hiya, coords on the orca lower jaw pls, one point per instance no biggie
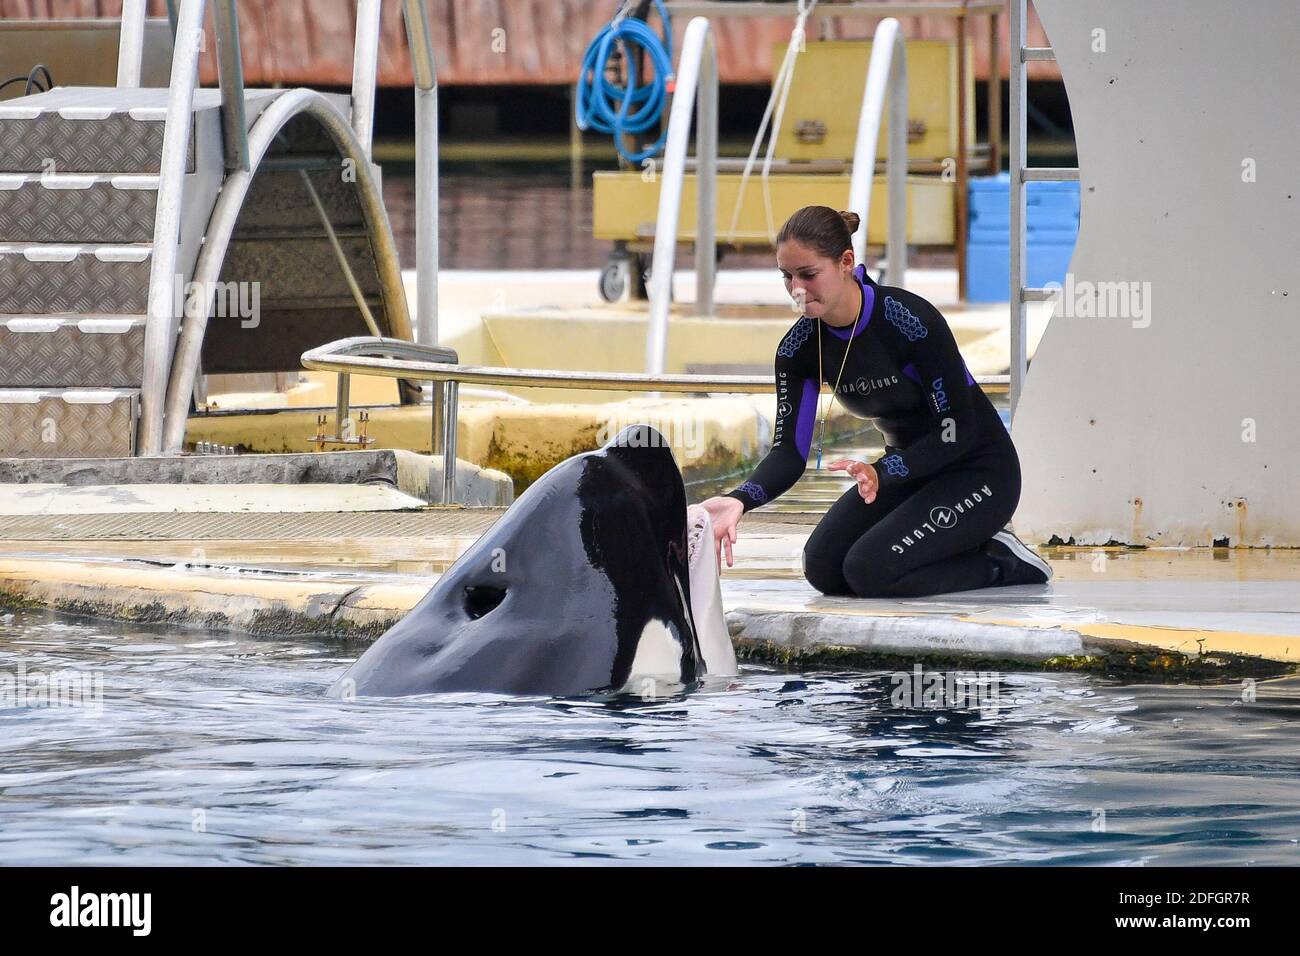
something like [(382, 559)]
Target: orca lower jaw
[(568, 667)]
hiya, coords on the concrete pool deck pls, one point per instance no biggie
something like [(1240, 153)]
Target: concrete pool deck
[(1198, 613)]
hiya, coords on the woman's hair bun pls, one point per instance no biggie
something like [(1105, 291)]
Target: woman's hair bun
[(825, 229)]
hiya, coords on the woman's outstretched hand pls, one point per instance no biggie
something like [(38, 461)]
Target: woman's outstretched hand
[(864, 474), (725, 513)]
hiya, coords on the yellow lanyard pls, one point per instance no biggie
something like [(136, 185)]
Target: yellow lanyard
[(821, 435)]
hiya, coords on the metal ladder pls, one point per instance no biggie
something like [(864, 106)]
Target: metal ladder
[(1021, 56), (114, 199)]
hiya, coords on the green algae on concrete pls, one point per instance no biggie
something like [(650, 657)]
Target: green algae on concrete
[(1126, 667)]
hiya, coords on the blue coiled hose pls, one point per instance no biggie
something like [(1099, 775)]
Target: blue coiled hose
[(606, 108)]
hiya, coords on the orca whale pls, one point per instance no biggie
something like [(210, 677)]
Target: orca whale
[(585, 584)]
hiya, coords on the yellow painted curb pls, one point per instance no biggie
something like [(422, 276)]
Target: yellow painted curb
[(257, 603), (1190, 641)]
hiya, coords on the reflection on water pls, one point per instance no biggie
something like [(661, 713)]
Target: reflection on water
[(216, 748), (499, 216)]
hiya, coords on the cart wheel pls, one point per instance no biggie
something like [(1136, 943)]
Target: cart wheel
[(640, 266), (612, 281)]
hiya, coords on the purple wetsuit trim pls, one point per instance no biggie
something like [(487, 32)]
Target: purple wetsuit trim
[(803, 430), (864, 316)]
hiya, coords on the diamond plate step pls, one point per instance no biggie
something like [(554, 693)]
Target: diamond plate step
[(92, 129), (64, 351), (68, 423), (85, 130), (90, 278), (77, 207)]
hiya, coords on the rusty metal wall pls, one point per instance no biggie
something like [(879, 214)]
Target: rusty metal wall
[(309, 42)]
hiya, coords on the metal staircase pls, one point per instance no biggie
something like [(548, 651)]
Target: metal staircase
[(79, 182), (114, 200)]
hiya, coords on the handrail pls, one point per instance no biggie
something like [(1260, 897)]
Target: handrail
[(426, 171), (1017, 149), (160, 319), (230, 77), (369, 346), (536, 377), (354, 356), (887, 73), (696, 93), (391, 351), (323, 360), (130, 44), (365, 66)]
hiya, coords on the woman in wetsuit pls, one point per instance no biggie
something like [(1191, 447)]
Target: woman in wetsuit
[(928, 517)]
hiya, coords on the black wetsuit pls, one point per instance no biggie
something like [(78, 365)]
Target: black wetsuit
[(949, 478)]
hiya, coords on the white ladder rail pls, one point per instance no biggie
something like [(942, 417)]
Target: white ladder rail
[(886, 75), (161, 321), (1020, 174), (696, 95), (130, 44), (426, 171), (365, 66)]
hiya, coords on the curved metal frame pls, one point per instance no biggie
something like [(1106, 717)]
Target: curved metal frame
[(697, 93), (159, 321), (225, 215), (887, 73)]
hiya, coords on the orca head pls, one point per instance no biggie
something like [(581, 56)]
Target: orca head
[(582, 585)]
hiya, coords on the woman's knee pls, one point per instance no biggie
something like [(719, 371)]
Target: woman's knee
[(824, 572), (868, 575)]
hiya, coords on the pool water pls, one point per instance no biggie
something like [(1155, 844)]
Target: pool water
[(202, 747)]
